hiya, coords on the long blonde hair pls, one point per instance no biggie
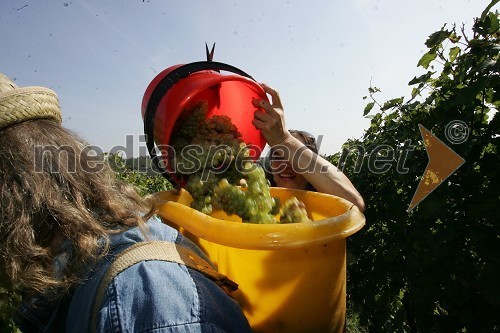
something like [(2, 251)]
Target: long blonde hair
[(49, 193)]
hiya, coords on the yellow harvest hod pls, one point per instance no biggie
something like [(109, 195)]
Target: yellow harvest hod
[(291, 277)]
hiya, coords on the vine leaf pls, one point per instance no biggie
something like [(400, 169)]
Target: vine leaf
[(453, 53), (426, 60), (420, 79), (368, 108), (437, 38)]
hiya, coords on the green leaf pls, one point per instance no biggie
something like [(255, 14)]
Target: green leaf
[(392, 103), (414, 92), (437, 38), (453, 53), (426, 60), (420, 79), (493, 23), (488, 65), (487, 9), (368, 108), (373, 90), (454, 38)]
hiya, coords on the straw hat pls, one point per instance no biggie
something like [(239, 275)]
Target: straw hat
[(20, 104)]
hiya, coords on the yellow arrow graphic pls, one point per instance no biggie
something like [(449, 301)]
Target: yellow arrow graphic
[(443, 162)]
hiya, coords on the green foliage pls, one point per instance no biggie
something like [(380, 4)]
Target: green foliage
[(142, 175), (8, 301), (352, 323), (435, 268)]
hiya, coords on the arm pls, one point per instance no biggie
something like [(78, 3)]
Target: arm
[(321, 174), (324, 176)]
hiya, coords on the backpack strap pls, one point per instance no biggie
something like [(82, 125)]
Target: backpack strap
[(156, 250)]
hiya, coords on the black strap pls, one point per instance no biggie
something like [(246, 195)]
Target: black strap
[(59, 323)]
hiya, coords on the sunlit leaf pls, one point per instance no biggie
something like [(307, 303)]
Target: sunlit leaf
[(414, 92), (454, 38), (368, 108), (426, 60), (422, 78), (453, 53), (392, 103), (493, 23), (437, 38)]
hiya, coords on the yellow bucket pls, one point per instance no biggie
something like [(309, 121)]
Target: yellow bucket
[(291, 277)]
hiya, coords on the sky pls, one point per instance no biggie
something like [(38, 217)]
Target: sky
[(99, 56)]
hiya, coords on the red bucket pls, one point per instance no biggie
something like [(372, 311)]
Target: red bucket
[(181, 86)]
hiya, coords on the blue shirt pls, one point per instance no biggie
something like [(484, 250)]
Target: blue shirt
[(151, 296)]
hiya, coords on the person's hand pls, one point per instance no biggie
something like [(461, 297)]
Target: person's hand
[(271, 122)]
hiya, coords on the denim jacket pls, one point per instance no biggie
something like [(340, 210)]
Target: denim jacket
[(151, 296)]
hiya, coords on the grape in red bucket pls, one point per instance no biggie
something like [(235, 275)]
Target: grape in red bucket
[(222, 175)]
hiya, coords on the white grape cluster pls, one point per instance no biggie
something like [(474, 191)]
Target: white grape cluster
[(210, 153), (293, 211)]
